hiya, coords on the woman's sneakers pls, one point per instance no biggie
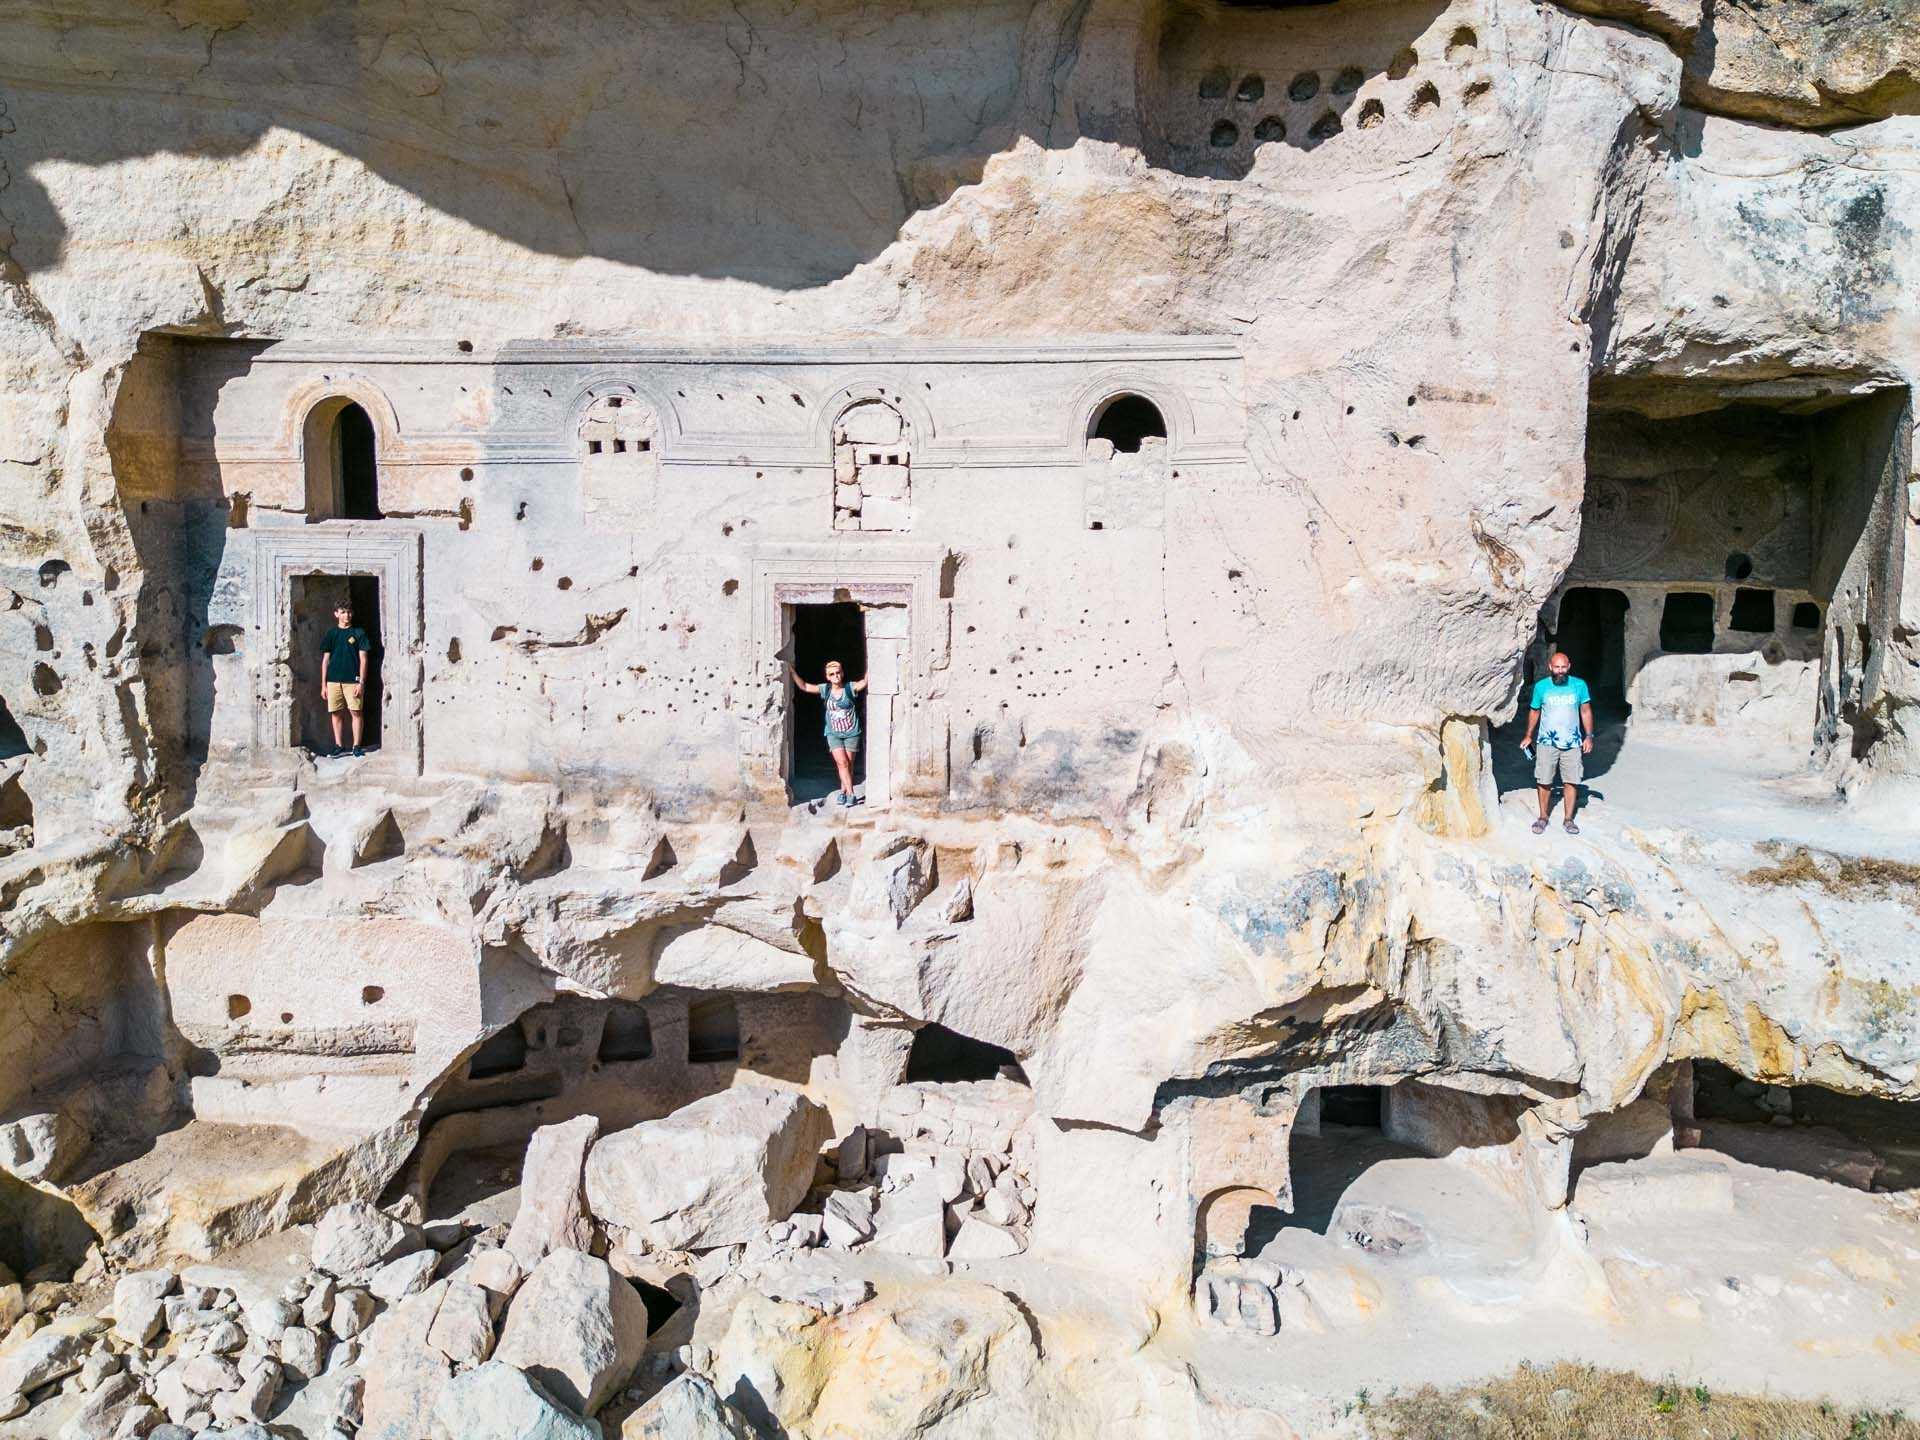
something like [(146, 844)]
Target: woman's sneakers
[(847, 802)]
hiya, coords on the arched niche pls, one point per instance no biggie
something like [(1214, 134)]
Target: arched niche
[(1127, 421), (340, 444)]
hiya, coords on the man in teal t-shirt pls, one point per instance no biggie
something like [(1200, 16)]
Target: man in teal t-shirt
[(1562, 712)]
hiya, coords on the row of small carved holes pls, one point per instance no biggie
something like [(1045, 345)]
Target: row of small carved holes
[(1461, 46), (594, 446)]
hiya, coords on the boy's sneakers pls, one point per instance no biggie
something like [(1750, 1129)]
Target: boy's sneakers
[(359, 752)]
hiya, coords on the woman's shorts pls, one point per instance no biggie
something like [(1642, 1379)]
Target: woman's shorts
[(849, 743)]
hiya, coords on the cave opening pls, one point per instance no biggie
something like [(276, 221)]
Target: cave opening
[(13, 740), (946, 1056), (1592, 631), (1863, 1141), (713, 1031)]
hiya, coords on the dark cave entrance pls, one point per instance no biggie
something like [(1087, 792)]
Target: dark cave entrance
[(1358, 1106), (1593, 633), (821, 633), (1861, 1141), (13, 740), (946, 1056), (713, 1031)]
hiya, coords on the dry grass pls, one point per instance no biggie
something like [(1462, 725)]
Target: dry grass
[(1580, 1402), (1847, 877)]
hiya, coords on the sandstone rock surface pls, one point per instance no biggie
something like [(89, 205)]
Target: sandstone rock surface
[(1197, 425)]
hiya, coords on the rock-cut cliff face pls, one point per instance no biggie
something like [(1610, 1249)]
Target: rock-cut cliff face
[(1195, 424)]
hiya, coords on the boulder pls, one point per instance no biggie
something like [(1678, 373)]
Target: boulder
[(139, 1304), (43, 1146), (895, 878), (687, 1408), (912, 1220), (316, 1306), (847, 1218), (404, 1375), (138, 1421), (356, 1237), (979, 1239), (463, 1330), (497, 1402), (408, 1275), (352, 1313), (259, 1386), (49, 1354), (497, 1272), (716, 1172), (577, 1327), (553, 1203), (101, 1413), (303, 1351), (269, 1318)]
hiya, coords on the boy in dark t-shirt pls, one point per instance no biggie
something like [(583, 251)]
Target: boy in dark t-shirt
[(343, 676)]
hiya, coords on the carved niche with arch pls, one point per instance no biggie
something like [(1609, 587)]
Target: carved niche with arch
[(618, 440), (345, 431), (872, 467)]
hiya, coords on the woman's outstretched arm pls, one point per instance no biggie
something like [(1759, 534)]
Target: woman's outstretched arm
[(860, 684), (810, 689)]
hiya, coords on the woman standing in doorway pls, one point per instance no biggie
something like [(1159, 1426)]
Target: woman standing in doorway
[(842, 720)]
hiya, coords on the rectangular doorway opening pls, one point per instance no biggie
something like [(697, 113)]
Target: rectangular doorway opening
[(1357, 1106), (311, 614), (821, 633), (1593, 633)]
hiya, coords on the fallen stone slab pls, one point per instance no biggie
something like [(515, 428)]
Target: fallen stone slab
[(45, 1356), (356, 1237), (1670, 1184), (576, 1327), (463, 1330), (716, 1172), (139, 1304), (553, 1203), (687, 1408), (497, 1402)]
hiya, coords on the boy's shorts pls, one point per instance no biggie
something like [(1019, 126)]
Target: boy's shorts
[(342, 696), (848, 743), (1546, 760)]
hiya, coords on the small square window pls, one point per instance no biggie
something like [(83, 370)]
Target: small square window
[(619, 447), (1752, 612), (1686, 623), (614, 402), (593, 447), (1806, 616), (644, 445)]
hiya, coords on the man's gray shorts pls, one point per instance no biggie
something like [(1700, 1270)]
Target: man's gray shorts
[(1547, 760)]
